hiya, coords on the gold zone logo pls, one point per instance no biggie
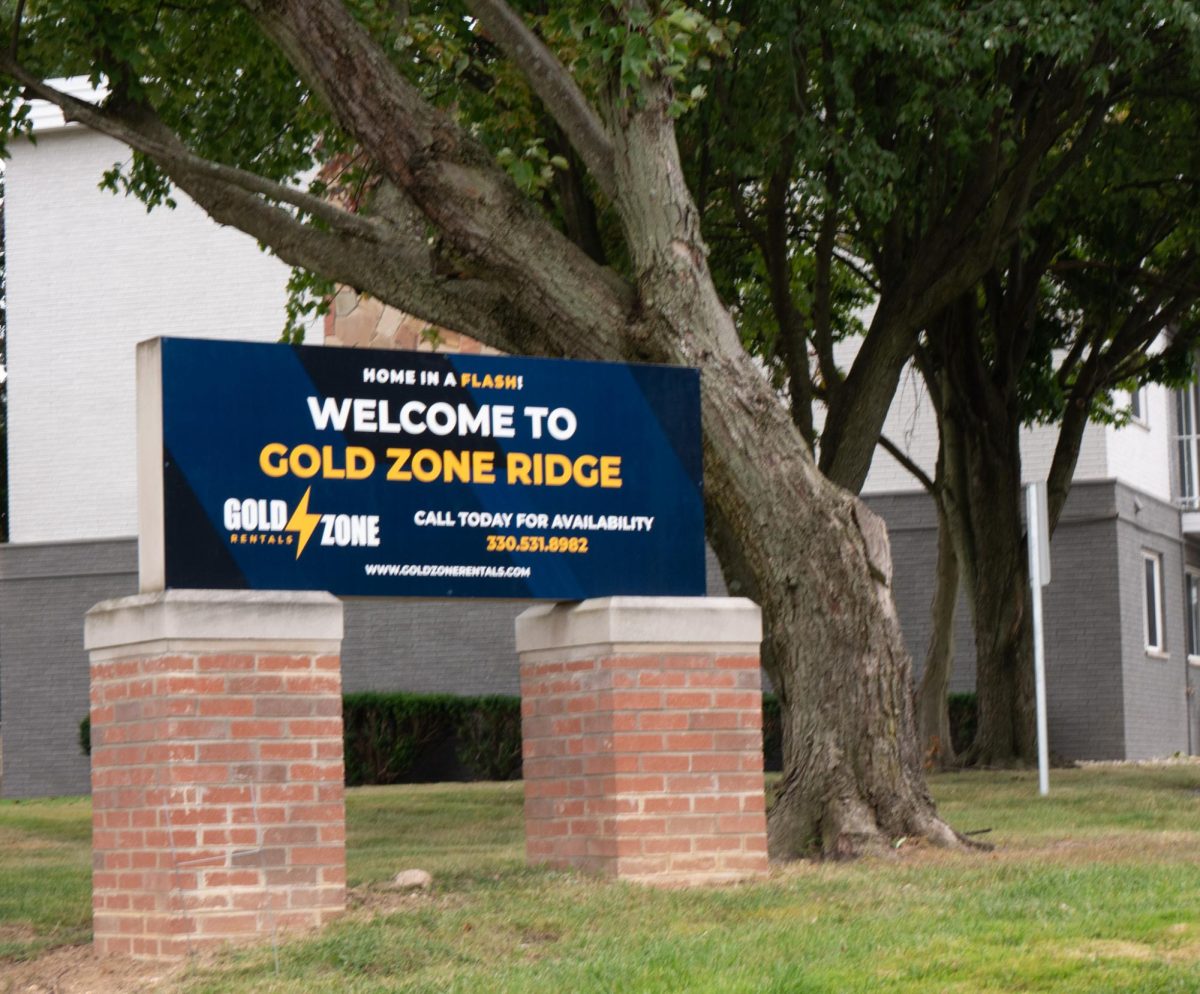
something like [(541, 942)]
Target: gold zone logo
[(266, 521)]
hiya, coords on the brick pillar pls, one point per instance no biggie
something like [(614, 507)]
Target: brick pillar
[(217, 774), (642, 726)]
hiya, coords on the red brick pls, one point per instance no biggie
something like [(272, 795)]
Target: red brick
[(718, 843), (232, 924), (715, 720), (711, 679), (318, 855), (257, 729), (313, 728), (656, 678), (665, 763), (317, 813), (637, 699), (256, 683), (290, 835), (288, 707), (268, 664), (737, 663), (690, 741), (718, 804), (666, 721), (191, 685), (640, 742), (737, 783), (225, 707), (716, 762), (226, 752), (290, 792), (746, 861), (666, 846), (322, 683), (754, 803), (225, 662), (688, 699), (286, 750)]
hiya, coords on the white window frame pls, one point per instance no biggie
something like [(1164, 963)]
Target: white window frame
[(1152, 603), (1138, 414), (1191, 612), (1187, 446)]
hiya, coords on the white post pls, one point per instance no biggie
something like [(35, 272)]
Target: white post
[(1038, 532)]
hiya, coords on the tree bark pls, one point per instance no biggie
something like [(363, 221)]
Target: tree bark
[(933, 708), (981, 443)]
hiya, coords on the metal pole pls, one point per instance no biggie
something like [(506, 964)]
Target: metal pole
[(1034, 524)]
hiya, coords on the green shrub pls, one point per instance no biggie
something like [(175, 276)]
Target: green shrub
[(386, 734), (488, 738), (85, 735)]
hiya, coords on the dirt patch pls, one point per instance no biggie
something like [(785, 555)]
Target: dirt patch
[(75, 970), (1099, 949)]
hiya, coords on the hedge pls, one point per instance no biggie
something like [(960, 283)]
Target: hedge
[(416, 738)]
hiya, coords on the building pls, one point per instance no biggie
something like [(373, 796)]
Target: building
[(90, 275), (1122, 613)]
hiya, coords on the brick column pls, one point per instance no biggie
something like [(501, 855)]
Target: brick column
[(642, 727), (217, 774)]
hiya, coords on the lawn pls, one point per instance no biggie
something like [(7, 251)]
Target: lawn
[(1095, 889)]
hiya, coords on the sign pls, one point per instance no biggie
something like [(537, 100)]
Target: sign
[(387, 473)]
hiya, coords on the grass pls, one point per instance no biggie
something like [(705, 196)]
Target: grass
[(1095, 889)]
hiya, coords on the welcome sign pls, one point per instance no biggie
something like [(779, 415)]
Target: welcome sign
[(386, 473)]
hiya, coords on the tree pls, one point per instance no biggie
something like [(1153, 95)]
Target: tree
[(918, 185), (1103, 293), (582, 237)]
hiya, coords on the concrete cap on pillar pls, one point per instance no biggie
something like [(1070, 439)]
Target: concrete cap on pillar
[(731, 624), (286, 616)]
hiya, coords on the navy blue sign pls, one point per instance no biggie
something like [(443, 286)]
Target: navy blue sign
[(367, 472)]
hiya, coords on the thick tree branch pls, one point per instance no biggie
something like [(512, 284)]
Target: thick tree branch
[(559, 300), (552, 83), (143, 132), (350, 249), (905, 460)]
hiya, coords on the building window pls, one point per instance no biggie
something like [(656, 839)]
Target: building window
[(1192, 609), (1152, 568), (1137, 405), (1187, 435)]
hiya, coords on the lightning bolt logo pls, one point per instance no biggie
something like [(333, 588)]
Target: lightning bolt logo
[(303, 523)]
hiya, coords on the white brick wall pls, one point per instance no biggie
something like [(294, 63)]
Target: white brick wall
[(1140, 454), (90, 275)]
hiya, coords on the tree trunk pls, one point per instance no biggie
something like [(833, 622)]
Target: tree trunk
[(933, 708), (989, 526), (834, 650), (817, 560)]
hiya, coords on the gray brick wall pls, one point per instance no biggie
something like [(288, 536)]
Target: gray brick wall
[(1088, 620), (1155, 685), (912, 528), (45, 590)]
